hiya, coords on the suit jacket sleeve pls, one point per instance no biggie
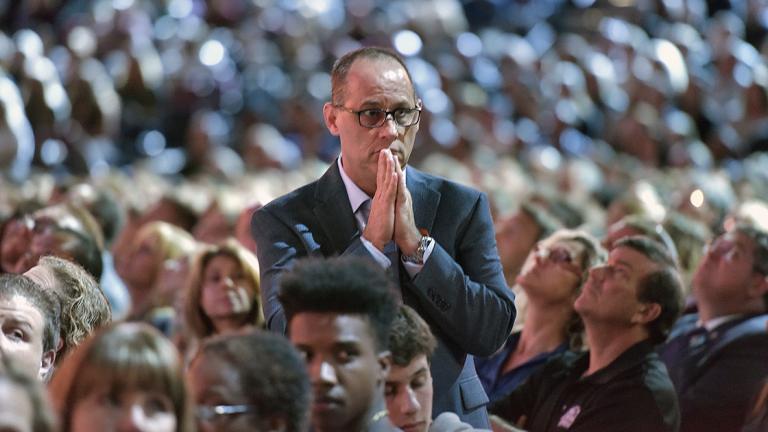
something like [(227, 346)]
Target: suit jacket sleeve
[(280, 241), (467, 296)]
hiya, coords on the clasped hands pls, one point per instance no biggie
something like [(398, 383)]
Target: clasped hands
[(391, 216)]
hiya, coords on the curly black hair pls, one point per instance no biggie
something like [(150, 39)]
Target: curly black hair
[(345, 285)]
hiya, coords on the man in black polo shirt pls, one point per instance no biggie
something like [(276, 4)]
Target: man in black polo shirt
[(628, 306)]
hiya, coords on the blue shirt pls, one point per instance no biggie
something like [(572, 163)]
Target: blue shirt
[(497, 385)]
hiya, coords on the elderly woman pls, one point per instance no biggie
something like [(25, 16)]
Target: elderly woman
[(223, 290), (551, 279)]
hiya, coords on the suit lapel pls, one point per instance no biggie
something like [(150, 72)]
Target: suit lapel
[(425, 199), (333, 212)]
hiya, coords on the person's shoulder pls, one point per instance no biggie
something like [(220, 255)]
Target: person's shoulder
[(450, 422), (298, 197), (444, 185)]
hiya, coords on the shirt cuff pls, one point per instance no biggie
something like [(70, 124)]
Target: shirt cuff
[(412, 268), (381, 258)]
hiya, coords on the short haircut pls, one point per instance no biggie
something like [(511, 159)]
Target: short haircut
[(652, 229), (410, 337), (122, 357), (759, 252), (198, 321), (341, 285), (84, 305), (46, 302), (344, 64), (272, 374), (662, 286), (43, 419)]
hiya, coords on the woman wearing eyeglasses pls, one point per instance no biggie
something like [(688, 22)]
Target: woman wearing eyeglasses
[(126, 377), (551, 279)]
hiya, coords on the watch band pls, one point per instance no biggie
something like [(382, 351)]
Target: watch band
[(418, 256)]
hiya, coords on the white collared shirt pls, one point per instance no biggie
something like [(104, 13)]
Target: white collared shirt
[(716, 322), (356, 198)]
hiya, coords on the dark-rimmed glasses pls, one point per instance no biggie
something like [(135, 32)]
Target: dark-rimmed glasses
[(373, 117)]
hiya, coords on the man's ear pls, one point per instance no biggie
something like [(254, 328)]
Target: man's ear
[(647, 313), (330, 117), (46, 365), (758, 286), (385, 362)]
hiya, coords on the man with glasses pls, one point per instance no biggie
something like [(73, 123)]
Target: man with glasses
[(718, 357), (435, 237), (628, 306)]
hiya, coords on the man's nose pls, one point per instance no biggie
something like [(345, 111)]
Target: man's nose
[(323, 372), (408, 403), (390, 127)]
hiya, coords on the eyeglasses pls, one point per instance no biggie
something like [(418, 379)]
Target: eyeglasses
[(374, 117), (560, 256), (208, 413)]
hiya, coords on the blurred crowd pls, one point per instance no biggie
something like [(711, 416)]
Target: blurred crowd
[(138, 137)]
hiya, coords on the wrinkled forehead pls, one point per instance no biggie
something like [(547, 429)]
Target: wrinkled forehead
[(327, 329), (379, 77)]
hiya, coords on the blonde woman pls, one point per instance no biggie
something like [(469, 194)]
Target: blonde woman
[(157, 248)]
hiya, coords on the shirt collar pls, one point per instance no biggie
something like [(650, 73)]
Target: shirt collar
[(356, 195), (716, 322), (633, 356)]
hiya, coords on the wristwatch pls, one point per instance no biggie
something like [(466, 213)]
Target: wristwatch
[(418, 256)]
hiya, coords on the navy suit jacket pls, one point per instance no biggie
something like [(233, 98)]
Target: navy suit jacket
[(717, 375), (460, 291)]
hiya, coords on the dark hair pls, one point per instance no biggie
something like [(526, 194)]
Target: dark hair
[(343, 285), (652, 229), (759, 252), (661, 286), (43, 419), (272, 374), (46, 302), (85, 252), (410, 337), (84, 306), (345, 62)]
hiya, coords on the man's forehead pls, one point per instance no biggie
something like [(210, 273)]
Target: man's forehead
[(418, 366), (344, 327), (632, 259), (19, 307)]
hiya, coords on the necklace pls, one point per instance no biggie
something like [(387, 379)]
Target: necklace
[(378, 416)]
